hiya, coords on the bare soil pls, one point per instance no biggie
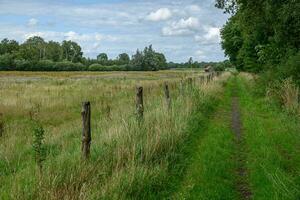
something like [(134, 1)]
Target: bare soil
[(242, 183)]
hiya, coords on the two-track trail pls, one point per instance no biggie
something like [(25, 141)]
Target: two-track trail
[(217, 165), (249, 149)]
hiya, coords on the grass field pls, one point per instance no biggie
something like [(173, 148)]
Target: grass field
[(128, 160), (187, 152)]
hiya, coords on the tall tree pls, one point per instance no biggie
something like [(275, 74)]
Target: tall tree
[(124, 58), (34, 48), (102, 57), (71, 51), (54, 51), (8, 46)]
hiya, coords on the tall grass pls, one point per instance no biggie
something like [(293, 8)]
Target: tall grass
[(286, 94), (128, 160)]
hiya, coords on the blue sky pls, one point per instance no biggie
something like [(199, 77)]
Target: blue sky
[(178, 28)]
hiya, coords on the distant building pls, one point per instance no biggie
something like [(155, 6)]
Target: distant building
[(208, 68)]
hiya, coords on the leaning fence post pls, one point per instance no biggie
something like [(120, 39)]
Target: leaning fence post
[(181, 89), (1, 125), (190, 82), (167, 95), (86, 129), (207, 79), (139, 103), (202, 79)]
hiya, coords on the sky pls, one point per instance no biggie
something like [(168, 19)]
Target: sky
[(178, 28)]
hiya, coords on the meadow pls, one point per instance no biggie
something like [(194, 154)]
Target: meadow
[(129, 159)]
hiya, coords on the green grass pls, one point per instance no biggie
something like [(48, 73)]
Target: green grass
[(186, 153), (270, 151), (210, 165), (272, 141), (128, 160)]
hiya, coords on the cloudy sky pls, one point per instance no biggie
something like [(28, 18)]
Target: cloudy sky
[(178, 28)]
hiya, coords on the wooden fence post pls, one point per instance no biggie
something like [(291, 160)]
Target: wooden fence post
[(86, 129), (167, 95), (181, 89), (139, 103), (1, 125), (190, 82)]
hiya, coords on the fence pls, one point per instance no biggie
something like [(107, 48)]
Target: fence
[(86, 107)]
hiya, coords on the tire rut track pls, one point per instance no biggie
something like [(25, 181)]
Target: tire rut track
[(242, 182)]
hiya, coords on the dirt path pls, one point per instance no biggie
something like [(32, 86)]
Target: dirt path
[(242, 183)]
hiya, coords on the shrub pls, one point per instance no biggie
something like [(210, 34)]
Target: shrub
[(291, 68), (96, 67), (45, 65), (6, 62), (24, 65), (69, 66)]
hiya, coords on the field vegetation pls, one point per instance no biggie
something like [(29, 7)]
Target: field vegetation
[(128, 159)]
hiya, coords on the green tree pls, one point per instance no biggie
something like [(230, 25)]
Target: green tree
[(54, 51), (260, 33), (71, 51), (123, 58), (232, 40), (8, 46), (190, 62), (137, 59), (33, 49), (102, 57), (162, 61)]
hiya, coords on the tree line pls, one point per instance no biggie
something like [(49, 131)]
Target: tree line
[(35, 54), (263, 36)]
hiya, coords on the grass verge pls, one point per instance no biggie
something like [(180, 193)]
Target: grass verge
[(273, 145)]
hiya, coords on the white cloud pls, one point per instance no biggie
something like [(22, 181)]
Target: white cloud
[(71, 35), (193, 8), (32, 22), (160, 15), (211, 36), (91, 43), (182, 27), (200, 55)]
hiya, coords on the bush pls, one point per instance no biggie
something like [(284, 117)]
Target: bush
[(45, 65), (24, 65), (98, 67), (291, 68), (69, 66), (6, 62)]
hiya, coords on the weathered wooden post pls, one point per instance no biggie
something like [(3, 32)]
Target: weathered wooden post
[(86, 129), (167, 95), (1, 125), (202, 79), (139, 103), (190, 83), (181, 89), (194, 81)]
